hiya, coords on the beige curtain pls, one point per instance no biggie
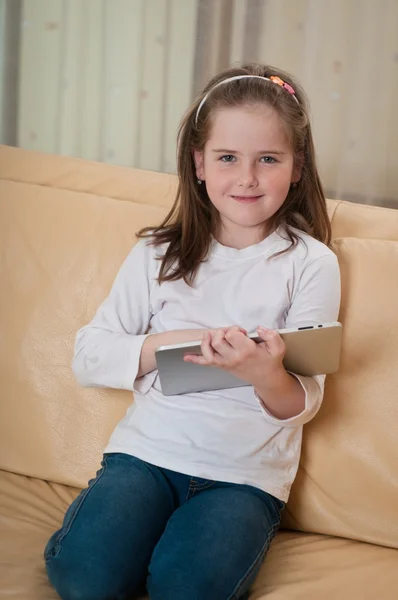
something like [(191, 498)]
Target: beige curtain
[(109, 79)]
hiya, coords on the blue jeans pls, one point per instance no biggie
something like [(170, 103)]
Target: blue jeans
[(186, 538)]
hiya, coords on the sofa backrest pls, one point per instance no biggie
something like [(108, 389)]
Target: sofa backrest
[(65, 226)]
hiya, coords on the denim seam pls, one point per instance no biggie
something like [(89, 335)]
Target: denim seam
[(203, 486), (190, 491), (202, 481), (259, 557), (83, 495)]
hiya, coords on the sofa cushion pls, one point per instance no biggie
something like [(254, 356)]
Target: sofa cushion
[(298, 565), (60, 253), (30, 511), (348, 477), (79, 175), (316, 567), (363, 221)]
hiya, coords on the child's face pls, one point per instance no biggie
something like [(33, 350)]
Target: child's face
[(248, 166)]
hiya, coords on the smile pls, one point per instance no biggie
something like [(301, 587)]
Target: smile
[(246, 199)]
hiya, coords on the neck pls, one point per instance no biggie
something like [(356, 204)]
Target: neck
[(236, 236)]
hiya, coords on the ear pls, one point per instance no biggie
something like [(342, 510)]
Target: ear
[(198, 160)]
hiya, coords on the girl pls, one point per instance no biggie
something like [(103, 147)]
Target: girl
[(191, 488)]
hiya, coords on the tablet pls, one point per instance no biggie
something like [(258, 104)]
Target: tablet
[(310, 350)]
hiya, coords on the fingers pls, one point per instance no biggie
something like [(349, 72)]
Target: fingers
[(236, 336), (208, 351), (207, 356), (230, 348), (218, 341), (233, 328), (274, 343), (228, 341), (219, 345)]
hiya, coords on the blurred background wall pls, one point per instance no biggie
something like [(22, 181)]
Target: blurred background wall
[(109, 80)]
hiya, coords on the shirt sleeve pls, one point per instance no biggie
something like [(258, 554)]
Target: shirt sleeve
[(107, 350), (316, 300)]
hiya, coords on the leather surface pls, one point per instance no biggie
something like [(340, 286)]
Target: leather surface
[(348, 479), (303, 566), (30, 511), (60, 252), (298, 566), (79, 175)]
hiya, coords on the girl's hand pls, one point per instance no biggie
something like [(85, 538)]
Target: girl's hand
[(232, 350)]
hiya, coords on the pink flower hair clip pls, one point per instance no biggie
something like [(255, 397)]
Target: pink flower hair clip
[(283, 84)]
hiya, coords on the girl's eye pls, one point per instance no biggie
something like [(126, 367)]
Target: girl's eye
[(227, 158), (269, 160)]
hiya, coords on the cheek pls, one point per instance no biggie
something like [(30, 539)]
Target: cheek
[(217, 178), (281, 181)]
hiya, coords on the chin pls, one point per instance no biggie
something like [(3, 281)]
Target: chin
[(249, 220), (250, 224)]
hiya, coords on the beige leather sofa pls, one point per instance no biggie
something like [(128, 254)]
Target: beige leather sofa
[(65, 226)]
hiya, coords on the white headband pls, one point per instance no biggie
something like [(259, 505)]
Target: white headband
[(272, 79)]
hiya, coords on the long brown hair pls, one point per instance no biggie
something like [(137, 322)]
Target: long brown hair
[(192, 221)]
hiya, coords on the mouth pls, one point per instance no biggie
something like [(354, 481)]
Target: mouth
[(246, 199)]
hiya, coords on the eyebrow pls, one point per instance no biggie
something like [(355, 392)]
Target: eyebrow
[(226, 151)]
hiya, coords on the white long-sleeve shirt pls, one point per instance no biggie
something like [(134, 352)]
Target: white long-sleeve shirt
[(224, 435)]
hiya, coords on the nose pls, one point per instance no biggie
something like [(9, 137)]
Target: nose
[(248, 176)]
